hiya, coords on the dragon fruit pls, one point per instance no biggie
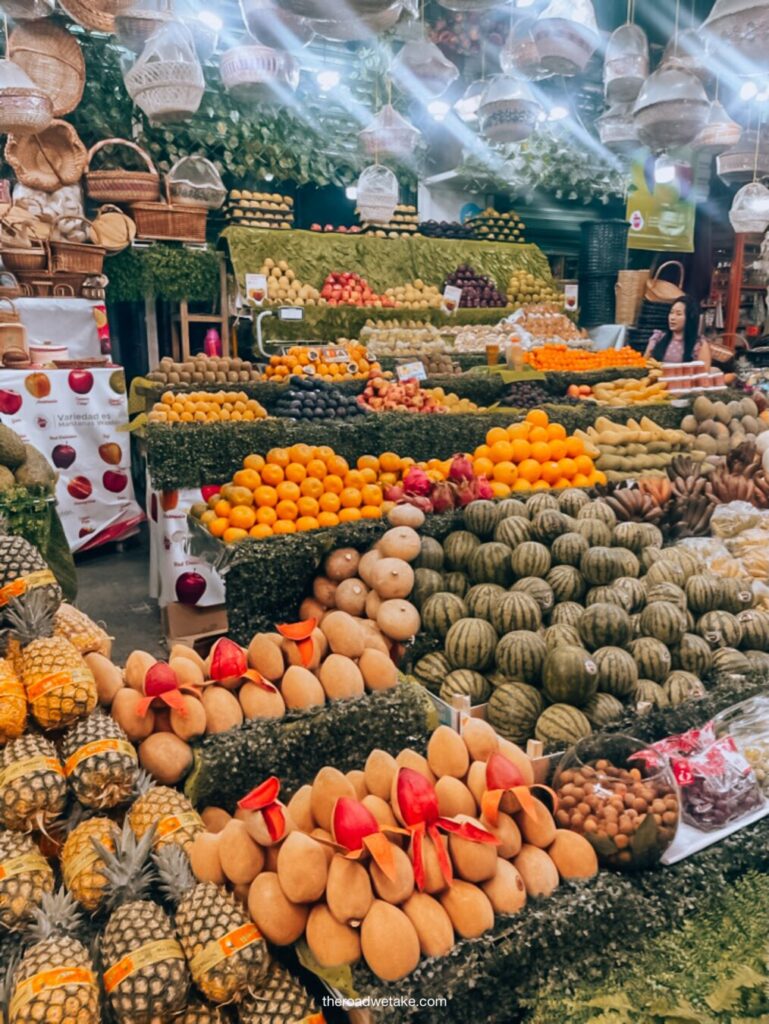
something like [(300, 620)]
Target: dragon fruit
[(416, 481), (442, 496), (394, 492), (461, 469)]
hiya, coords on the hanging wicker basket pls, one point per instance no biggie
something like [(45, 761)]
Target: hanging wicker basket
[(254, 72), (121, 186), (377, 194), (169, 222), (28, 10), (166, 82), (195, 181), (24, 111), (76, 257), (49, 159), (135, 24), (389, 135), (52, 58)]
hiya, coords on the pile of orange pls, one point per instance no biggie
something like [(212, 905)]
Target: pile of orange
[(205, 407), (292, 490), (534, 455), (303, 360), (561, 358)]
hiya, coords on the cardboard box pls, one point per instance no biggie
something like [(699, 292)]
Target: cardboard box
[(188, 624)]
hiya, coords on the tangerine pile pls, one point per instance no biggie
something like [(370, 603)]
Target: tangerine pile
[(562, 358), (205, 407), (301, 360), (534, 455)]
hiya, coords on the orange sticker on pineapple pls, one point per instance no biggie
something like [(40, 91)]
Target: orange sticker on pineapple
[(98, 747), (57, 681), (17, 587), (220, 949), (19, 865), (174, 822), (59, 977), (316, 1018), (144, 956), (29, 766)]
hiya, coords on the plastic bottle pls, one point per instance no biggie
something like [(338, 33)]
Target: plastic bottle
[(212, 346), (515, 353)]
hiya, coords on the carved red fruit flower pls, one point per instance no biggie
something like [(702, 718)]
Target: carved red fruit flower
[(506, 790), (301, 634), (267, 821)]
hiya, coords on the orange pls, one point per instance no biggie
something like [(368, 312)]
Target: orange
[(247, 478), (266, 496), (333, 484), (287, 510), (501, 451), (495, 435), (481, 467), (349, 515), (308, 507), (483, 451), (529, 470), (406, 463), (501, 490), (329, 502), (372, 495), (584, 465), (557, 449), (369, 476), (537, 434), (521, 450), (337, 465), (317, 468), (272, 474), (305, 523), (351, 498), (505, 473), (540, 451), (540, 485), (600, 477), (555, 432), (370, 512), (327, 519), (284, 526), (550, 471), (288, 491), (388, 478), (218, 526), (222, 508), (390, 462), (266, 516), (323, 452), (518, 431), (240, 496), (521, 485), (562, 483), (354, 479), (369, 462), (580, 480), (278, 457), (260, 531), (311, 488), (301, 453), (295, 472), (574, 447), (537, 417), (233, 534), (243, 517), (568, 468)]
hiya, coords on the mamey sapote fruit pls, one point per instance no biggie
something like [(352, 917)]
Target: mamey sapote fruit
[(277, 918), (348, 890), (302, 868), (454, 798), (475, 862), (537, 828), (539, 873), (331, 943), (379, 770), (432, 923), (327, 787), (469, 908), (389, 942), (447, 754), (506, 889), (401, 887), (573, 856)]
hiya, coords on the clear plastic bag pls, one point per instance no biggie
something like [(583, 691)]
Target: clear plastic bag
[(736, 517), (748, 725)]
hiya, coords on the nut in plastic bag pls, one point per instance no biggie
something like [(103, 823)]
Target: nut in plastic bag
[(737, 516)]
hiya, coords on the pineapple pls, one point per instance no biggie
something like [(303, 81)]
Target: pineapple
[(81, 631), (100, 762), (281, 999), (60, 687), (33, 790), (175, 819), (197, 1012), (82, 868), (13, 703), (25, 875), (23, 570), (55, 982), (144, 971), (226, 953)]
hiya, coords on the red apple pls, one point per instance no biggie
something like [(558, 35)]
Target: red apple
[(114, 481), (111, 453), (63, 456), (81, 381), (85, 531), (38, 385), (209, 490), (190, 587), (10, 402), (80, 488)]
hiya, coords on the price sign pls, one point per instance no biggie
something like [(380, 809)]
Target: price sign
[(256, 289), (571, 298), (451, 299), (411, 371), (334, 355)]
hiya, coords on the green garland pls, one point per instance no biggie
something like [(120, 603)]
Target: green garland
[(165, 272)]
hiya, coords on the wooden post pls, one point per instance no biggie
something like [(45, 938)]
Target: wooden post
[(733, 295)]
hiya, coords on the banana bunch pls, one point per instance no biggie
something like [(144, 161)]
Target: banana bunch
[(635, 506)]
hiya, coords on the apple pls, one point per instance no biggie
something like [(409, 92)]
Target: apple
[(115, 482), (209, 490), (38, 385), (190, 587), (63, 456), (117, 382), (80, 488), (10, 402), (111, 453), (80, 381), (315, 227), (85, 531)]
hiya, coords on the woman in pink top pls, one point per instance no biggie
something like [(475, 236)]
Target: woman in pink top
[(681, 343)]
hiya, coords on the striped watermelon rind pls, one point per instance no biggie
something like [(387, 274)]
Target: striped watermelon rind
[(426, 583), (515, 610), (664, 621), (720, 629), (682, 686), (569, 676), (566, 583), (729, 661), (605, 625), (458, 548), (599, 510), (560, 633), (650, 692), (530, 559), (562, 725), (537, 588), (513, 531), (471, 643), (520, 656), (468, 683), (568, 612), (481, 518), (693, 655), (603, 709), (430, 556), (755, 629), (569, 548), (652, 658), (440, 612), (490, 563), (601, 566), (513, 710), (617, 672), (456, 583), (571, 500), (481, 598)]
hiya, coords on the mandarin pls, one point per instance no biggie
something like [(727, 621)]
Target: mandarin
[(521, 450), (243, 517), (308, 507), (272, 474), (260, 531), (351, 498), (295, 472), (368, 462), (370, 512), (333, 484), (317, 469), (266, 496), (234, 534), (284, 526), (349, 515), (390, 462), (329, 502), (287, 510), (306, 523), (288, 491), (328, 519), (372, 494), (537, 417), (529, 470), (496, 434), (481, 467), (540, 451), (278, 457), (247, 478), (218, 526), (301, 453), (266, 516)]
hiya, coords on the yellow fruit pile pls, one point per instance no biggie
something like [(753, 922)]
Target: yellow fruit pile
[(416, 295), (206, 407), (283, 289)]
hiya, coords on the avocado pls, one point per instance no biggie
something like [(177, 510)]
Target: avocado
[(11, 448), (35, 471)]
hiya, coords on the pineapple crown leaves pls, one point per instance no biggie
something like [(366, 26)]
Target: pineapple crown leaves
[(31, 617), (144, 783), (129, 871), (57, 915), (175, 872)]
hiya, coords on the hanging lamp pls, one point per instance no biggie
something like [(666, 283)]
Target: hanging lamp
[(617, 130), (720, 131), (750, 207), (389, 134), (377, 194), (420, 68), (508, 111), (626, 63), (566, 35), (739, 29)]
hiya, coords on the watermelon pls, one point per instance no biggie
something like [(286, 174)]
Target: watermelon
[(663, 621), (606, 595), (692, 655), (562, 725), (605, 625), (456, 583), (596, 533), (568, 612), (515, 610), (667, 592), (636, 536), (541, 502), (601, 565), (566, 583), (650, 692), (569, 548), (539, 589), (754, 625), (617, 672), (426, 583), (520, 656), (513, 711), (599, 510), (466, 683), (665, 571), (430, 555), (635, 591), (759, 660), (652, 658), (458, 548), (530, 559), (481, 598), (720, 629), (731, 662), (703, 593), (682, 686), (432, 670), (490, 563), (571, 500), (561, 633), (635, 621), (548, 525), (512, 507), (441, 611), (481, 518), (470, 643), (603, 709), (513, 531), (736, 595), (569, 676)]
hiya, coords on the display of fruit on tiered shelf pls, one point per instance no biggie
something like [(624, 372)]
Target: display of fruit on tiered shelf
[(525, 288), (407, 396), (409, 340), (351, 361), (259, 209), (475, 337), (202, 369), (718, 427), (445, 229), (416, 295), (283, 288), (547, 322), (649, 390), (491, 226), (478, 290), (312, 398), (339, 229), (403, 224), (628, 450), (562, 359), (206, 407), (350, 289), (523, 394)]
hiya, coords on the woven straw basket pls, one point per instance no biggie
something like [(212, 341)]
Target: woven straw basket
[(121, 186)]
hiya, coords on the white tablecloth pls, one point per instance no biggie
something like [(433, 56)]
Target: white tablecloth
[(69, 322)]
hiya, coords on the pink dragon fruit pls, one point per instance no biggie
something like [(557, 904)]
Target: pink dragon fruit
[(394, 492), (461, 469), (416, 481), (442, 496)]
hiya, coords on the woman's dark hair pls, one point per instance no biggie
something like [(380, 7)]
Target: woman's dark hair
[(691, 331)]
